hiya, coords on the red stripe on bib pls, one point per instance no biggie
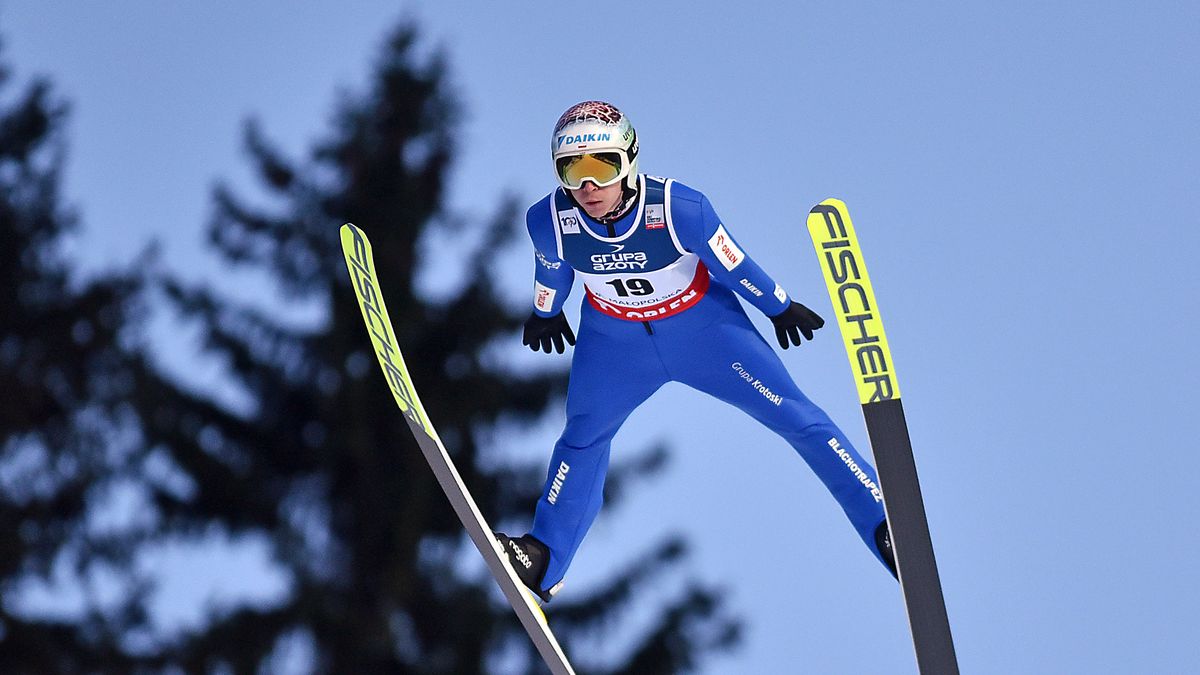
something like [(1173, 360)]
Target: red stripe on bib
[(685, 299)]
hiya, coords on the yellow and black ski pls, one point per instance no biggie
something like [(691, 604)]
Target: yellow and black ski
[(360, 262), (866, 344)]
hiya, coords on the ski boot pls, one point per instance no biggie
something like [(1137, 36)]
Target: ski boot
[(529, 558), (883, 541)]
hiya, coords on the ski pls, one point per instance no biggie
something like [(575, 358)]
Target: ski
[(359, 261), (853, 300)]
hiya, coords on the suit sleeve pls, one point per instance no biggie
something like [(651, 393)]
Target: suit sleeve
[(701, 232), (552, 276)]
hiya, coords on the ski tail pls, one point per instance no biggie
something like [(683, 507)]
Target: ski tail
[(870, 356), (360, 262)]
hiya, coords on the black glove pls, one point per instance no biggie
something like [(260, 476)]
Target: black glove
[(793, 321), (540, 332)]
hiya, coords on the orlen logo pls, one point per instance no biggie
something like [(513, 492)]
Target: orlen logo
[(543, 296), (574, 139), (727, 252)]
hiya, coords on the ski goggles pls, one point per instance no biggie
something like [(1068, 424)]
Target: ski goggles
[(602, 168)]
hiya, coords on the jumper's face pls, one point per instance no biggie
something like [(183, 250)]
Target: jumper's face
[(597, 201)]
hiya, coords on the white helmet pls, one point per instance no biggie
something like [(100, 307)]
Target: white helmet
[(594, 141)]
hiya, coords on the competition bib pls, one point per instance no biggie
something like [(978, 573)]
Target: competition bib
[(648, 295)]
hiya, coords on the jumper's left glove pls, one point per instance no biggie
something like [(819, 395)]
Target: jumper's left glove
[(794, 321)]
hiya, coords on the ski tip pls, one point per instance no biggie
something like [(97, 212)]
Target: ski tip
[(832, 201), (349, 227)]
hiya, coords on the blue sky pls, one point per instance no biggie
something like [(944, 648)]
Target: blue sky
[(1023, 177)]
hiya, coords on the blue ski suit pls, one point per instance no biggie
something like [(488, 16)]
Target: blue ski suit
[(659, 307)]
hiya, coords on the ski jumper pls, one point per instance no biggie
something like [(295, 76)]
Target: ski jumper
[(659, 307)]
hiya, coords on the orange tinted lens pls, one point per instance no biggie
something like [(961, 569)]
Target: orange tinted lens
[(602, 168)]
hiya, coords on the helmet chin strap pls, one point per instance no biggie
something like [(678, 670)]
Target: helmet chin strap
[(628, 197)]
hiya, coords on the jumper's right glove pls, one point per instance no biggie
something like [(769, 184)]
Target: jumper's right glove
[(793, 321), (540, 332)]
